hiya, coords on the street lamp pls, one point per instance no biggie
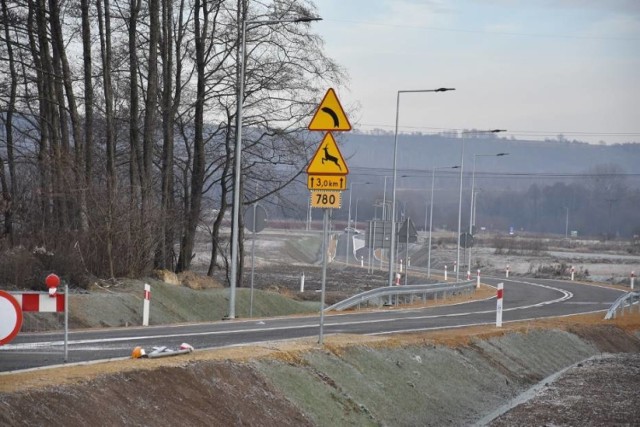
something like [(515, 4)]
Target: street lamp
[(460, 195), (395, 164), (433, 179), (473, 201), (238, 152)]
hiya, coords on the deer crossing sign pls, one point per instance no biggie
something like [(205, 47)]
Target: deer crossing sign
[(328, 160)]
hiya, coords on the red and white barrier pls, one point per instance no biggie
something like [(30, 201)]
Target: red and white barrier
[(40, 302), (499, 305), (146, 304)]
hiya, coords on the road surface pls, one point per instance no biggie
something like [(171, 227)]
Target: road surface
[(524, 299)]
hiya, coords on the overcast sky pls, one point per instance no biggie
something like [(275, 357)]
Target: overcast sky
[(537, 68)]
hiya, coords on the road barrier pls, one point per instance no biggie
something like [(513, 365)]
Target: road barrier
[(426, 289), (628, 300)]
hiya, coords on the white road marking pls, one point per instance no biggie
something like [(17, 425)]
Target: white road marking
[(23, 346)]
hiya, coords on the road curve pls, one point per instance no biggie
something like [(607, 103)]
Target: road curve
[(523, 299)]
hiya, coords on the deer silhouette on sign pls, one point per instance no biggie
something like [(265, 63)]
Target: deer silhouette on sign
[(328, 157)]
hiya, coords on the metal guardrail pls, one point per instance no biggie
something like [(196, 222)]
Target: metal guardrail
[(625, 300), (401, 290)]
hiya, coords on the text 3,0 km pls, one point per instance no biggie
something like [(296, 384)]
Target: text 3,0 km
[(327, 182)]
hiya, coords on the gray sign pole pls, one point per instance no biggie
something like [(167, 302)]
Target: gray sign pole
[(66, 322), (325, 234), (253, 254)]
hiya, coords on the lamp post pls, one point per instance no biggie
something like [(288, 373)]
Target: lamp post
[(566, 223), (395, 164), (473, 184), (238, 152), (460, 196), (433, 179)]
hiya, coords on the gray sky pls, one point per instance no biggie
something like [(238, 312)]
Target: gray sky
[(537, 68)]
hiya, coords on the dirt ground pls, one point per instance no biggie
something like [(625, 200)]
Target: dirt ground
[(599, 391)]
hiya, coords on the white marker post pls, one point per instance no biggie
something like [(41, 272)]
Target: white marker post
[(507, 271), (478, 280), (455, 266), (400, 265), (146, 304), (573, 273), (302, 282), (361, 261), (445, 273), (468, 274), (633, 278), (499, 305)]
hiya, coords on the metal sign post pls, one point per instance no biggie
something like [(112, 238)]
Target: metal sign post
[(327, 174), (256, 217), (66, 322), (325, 245)]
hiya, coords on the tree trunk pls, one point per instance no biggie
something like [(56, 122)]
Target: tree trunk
[(9, 191), (135, 161), (104, 28), (197, 176)]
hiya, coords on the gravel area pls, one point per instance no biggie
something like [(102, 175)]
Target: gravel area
[(601, 391)]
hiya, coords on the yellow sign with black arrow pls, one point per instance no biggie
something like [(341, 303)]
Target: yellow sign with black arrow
[(330, 115)]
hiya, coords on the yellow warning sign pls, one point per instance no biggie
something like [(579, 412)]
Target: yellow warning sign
[(327, 182), (328, 160), (326, 199), (330, 115)]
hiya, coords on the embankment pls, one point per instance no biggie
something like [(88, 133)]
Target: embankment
[(453, 377)]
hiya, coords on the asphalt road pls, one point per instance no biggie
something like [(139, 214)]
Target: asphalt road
[(523, 299)]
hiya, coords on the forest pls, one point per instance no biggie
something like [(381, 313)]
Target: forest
[(118, 124)]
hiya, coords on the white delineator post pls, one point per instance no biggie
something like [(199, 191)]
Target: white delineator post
[(400, 265), (633, 278), (478, 280), (361, 261), (302, 282), (573, 273), (507, 271), (146, 304), (455, 266), (499, 305), (445, 273), (468, 274), (397, 279)]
